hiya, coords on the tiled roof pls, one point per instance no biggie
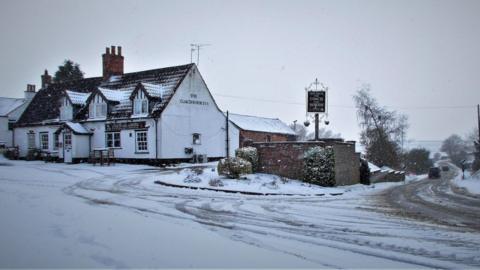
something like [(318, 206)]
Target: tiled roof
[(46, 103), (261, 124)]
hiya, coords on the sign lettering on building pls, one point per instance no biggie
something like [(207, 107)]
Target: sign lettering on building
[(316, 101), (125, 125)]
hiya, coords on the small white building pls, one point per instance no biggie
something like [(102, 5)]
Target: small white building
[(10, 111), (154, 115)]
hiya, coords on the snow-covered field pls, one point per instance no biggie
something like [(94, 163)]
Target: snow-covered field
[(58, 215)]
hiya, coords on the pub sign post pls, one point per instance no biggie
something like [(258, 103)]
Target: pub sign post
[(316, 103)]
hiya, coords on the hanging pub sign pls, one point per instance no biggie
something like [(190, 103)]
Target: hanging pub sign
[(316, 101), (125, 125)]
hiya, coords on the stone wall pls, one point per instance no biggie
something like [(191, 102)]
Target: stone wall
[(286, 159)]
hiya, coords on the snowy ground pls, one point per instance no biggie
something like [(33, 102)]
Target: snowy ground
[(206, 176), (58, 215), (471, 183)]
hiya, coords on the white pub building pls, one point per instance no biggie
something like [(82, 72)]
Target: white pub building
[(149, 116)]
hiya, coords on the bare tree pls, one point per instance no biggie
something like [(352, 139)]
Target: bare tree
[(456, 148), (383, 132)]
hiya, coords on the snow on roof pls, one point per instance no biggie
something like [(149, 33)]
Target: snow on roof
[(154, 90), (262, 124), (77, 98), (373, 167), (7, 105), (117, 94), (77, 128)]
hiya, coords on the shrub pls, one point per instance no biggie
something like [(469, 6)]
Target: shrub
[(364, 172), (319, 166), (215, 183), (249, 154), (33, 154), (234, 167), (11, 153)]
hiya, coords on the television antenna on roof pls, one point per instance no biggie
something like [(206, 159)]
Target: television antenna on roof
[(196, 47)]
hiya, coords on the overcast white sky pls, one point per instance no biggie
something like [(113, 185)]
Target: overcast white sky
[(414, 54)]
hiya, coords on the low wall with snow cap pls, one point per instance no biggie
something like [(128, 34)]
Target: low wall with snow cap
[(286, 159)]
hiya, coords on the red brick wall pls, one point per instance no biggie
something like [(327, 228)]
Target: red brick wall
[(112, 62), (286, 159), (256, 136)]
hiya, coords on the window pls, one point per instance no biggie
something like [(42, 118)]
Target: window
[(196, 138), (31, 140), (97, 108), (100, 110), (55, 141), (67, 139), (44, 141), (112, 139), (141, 106), (141, 141)]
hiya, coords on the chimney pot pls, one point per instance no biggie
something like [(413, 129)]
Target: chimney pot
[(112, 62), (107, 50)]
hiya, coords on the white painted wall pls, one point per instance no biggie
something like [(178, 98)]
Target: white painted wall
[(21, 139), (180, 120), (5, 134), (234, 138), (80, 146), (127, 139)]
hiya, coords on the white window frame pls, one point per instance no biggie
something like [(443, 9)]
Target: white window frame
[(67, 139), (141, 141), (111, 138), (32, 143), (44, 144), (140, 104), (97, 108)]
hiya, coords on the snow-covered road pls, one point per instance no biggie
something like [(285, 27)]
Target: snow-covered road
[(57, 215), (436, 200)]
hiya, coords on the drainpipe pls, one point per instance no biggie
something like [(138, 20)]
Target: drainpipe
[(13, 137), (156, 137)]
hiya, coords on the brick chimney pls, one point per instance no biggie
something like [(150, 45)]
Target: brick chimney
[(112, 62), (30, 92), (46, 80)]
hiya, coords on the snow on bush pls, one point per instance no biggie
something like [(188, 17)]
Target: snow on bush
[(234, 167), (215, 183), (250, 154), (319, 166)]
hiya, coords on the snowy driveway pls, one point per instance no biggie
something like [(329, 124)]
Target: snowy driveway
[(57, 215)]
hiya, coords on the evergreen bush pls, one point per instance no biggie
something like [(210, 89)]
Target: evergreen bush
[(319, 166), (234, 167), (250, 154), (364, 172)]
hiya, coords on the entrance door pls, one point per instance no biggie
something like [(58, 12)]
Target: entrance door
[(67, 147)]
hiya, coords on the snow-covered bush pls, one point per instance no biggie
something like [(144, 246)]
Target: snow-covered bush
[(215, 183), (192, 179), (250, 154), (234, 167), (319, 166)]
